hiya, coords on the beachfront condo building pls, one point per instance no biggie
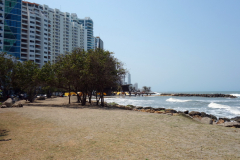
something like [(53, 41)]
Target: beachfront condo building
[(30, 31), (98, 43)]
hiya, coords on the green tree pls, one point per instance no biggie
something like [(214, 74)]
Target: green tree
[(6, 67), (25, 77), (47, 78), (106, 71)]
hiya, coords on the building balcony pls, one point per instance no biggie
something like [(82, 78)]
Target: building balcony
[(38, 24)]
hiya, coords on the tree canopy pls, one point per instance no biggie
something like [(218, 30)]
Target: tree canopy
[(80, 71)]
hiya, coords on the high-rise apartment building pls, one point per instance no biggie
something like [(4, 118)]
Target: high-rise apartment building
[(35, 32), (98, 43), (87, 24), (10, 27), (35, 43)]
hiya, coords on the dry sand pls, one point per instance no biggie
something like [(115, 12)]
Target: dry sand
[(43, 132)]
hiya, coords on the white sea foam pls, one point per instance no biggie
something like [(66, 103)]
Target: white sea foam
[(176, 100), (237, 95), (156, 93), (234, 111), (215, 105)]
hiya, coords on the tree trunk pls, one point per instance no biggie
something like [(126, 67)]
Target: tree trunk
[(49, 94), (78, 98), (84, 99), (90, 97), (102, 100), (69, 91)]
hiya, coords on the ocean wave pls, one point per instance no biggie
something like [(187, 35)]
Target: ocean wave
[(237, 95), (176, 100), (234, 111), (215, 105), (156, 93)]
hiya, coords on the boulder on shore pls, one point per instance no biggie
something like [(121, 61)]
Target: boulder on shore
[(170, 111), (237, 119), (186, 112), (17, 104), (159, 109), (194, 113), (206, 120), (8, 102), (225, 119)]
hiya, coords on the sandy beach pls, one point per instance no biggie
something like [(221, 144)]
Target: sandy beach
[(51, 129)]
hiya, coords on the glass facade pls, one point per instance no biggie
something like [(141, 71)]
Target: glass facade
[(12, 27)]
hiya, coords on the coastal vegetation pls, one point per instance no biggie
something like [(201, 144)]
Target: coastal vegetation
[(84, 72)]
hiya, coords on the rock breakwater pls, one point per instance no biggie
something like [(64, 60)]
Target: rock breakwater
[(198, 95)]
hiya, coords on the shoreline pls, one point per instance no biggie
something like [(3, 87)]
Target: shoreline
[(106, 133)]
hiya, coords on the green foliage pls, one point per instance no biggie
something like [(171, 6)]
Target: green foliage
[(6, 67), (25, 77), (79, 71)]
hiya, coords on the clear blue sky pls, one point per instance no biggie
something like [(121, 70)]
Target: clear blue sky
[(170, 45)]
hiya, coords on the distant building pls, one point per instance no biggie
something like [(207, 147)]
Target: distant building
[(129, 78), (135, 86), (123, 80), (98, 43)]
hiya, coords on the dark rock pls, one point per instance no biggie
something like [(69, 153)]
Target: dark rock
[(237, 119), (148, 108), (186, 112), (139, 108), (225, 119), (159, 109), (170, 111), (212, 116), (203, 114), (194, 113)]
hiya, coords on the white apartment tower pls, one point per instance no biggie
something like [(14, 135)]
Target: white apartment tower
[(87, 29), (34, 34), (47, 33)]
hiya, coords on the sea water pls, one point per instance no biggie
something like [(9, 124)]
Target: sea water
[(220, 107)]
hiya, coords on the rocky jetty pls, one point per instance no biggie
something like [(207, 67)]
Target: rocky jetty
[(199, 95), (201, 117)]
